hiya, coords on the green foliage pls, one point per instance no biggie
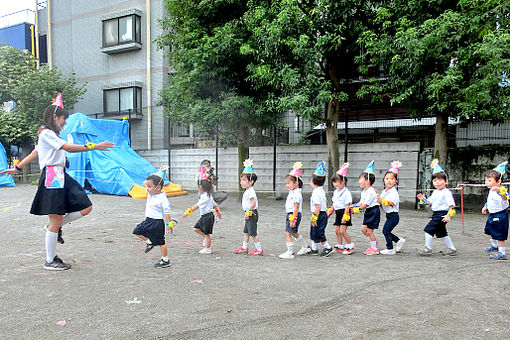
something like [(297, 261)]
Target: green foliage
[(32, 90), (447, 59)]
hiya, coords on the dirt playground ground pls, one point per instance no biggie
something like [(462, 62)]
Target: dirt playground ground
[(113, 291)]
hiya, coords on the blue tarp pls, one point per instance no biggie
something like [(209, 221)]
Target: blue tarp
[(5, 180), (109, 172)]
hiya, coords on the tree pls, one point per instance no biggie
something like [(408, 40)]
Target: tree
[(442, 61), (32, 90), (209, 87), (303, 51)]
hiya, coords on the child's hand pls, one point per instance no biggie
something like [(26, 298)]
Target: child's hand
[(293, 224), (314, 224), (446, 218), (9, 171), (379, 199), (184, 215), (219, 214), (246, 218), (330, 212), (484, 210), (420, 196)]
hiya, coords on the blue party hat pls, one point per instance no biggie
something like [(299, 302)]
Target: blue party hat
[(248, 167), (370, 168), (501, 168), (436, 167), (162, 172), (321, 169)]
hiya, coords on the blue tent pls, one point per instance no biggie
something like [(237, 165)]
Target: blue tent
[(109, 172), (5, 180)]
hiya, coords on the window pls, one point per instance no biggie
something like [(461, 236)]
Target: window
[(122, 30), (122, 100)]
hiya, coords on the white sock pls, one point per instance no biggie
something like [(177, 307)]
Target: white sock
[(257, 245), (314, 246), (349, 246), (502, 250), (428, 241), (164, 258), (494, 243), (245, 245), (290, 247), (448, 241), (326, 245), (72, 216), (368, 239), (373, 244), (302, 240), (148, 241), (51, 245)]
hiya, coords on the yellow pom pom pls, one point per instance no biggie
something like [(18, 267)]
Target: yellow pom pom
[(249, 213), (314, 218), (292, 218), (356, 210), (503, 191), (189, 211), (385, 202), (452, 212), (347, 217)]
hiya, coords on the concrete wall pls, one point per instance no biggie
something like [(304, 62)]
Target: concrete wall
[(184, 164)]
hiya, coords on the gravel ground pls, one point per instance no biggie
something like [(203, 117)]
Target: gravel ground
[(113, 292)]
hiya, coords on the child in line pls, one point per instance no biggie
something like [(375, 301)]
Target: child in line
[(497, 205), (157, 210), (442, 204), (251, 215), (58, 195), (206, 203), (293, 209), (318, 206), (342, 199), (390, 199), (368, 203)]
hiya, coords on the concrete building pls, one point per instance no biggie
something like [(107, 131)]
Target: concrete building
[(109, 45)]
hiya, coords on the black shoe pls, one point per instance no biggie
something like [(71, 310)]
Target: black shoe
[(314, 252), (149, 247), (57, 264), (326, 252), (59, 237), (162, 264)]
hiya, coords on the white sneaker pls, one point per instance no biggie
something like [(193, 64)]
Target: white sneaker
[(203, 242), (400, 244), (205, 251), (286, 255), (388, 252), (304, 250)]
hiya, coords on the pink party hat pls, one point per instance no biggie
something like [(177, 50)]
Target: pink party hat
[(203, 174), (296, 169), (58, 100), (395, 165), (344, 169)]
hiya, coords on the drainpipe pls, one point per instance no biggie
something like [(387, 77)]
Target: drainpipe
[(37, 34), (48, 9), (149, 100)]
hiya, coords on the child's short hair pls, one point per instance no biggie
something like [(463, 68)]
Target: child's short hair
[(295, 179), (394, 175), (498, 176), (157, 180), (440, 174), (370, 177), (207, 186), (205, 162), (318, 180), (338, 178), (250, 177)]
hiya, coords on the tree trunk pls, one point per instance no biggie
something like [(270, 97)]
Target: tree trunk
[(243, 148), (441, 138), (332, 139), (25, 151)]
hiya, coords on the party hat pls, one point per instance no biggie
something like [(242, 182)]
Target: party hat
[(248, 167), (58, 100), (395, 165), (203, 174), (162, 171), (370, 168), (436, 167), (344, 169), (321, 169), (501, 168), (296, 169)]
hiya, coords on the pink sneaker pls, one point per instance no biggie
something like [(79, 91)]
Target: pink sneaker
[(371, 251), (241, 250), (256, 252)]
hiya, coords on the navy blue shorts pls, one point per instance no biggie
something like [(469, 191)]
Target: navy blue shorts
[(497, 225), (317, 234), (372, 217), (205, 223), (436, 226), (287, 224), (153, 229), (339, 214)]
